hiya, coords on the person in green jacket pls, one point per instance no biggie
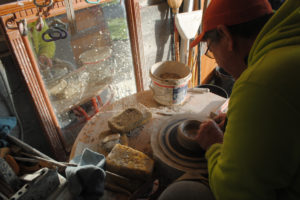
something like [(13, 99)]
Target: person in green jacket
[(258, 155), (45, 51)]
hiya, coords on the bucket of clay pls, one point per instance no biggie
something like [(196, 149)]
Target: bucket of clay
[(169, 82)]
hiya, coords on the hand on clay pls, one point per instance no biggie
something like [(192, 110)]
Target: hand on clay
[(208, 134), (220, 120)]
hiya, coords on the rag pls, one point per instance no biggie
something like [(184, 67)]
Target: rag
[(86, 181)]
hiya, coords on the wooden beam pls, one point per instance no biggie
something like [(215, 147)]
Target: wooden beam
[(135, 33), (30, 11)]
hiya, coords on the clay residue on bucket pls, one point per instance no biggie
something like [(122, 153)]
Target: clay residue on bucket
[(168, 75), (169, 82)]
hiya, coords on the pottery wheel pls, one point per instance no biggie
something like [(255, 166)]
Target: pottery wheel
[(167, 148)]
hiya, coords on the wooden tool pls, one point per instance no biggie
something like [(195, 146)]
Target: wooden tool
[(188, 24), (71, 15), (192, 61), (175, 4)]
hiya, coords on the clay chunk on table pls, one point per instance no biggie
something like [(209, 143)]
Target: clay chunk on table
[(128, 120)]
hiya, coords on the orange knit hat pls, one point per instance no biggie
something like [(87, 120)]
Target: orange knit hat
[(231, 12)]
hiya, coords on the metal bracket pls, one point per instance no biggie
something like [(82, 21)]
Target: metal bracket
[(22, 24), (11, 23)]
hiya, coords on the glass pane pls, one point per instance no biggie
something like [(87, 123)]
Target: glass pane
[(85, 70)]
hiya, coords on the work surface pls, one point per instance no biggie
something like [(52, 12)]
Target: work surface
[(195, 103)]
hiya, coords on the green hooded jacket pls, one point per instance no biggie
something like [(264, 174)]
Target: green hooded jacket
[(40, 46), (260, 155)]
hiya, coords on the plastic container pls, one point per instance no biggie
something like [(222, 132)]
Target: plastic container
[(169, 82)]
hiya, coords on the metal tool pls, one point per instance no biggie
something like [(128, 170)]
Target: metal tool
[(51, 162), (40, 187), (175, 4), (8, 176), (26, 147), (199, 90)]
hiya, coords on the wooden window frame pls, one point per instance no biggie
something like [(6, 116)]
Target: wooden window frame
[(20, 47)]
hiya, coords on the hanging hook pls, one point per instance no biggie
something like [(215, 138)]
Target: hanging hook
[(42, 5), (46, 12), (40, 24), (23, 27), (10, 23), (58, 23), (53, 34)]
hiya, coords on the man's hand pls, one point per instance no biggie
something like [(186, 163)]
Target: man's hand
[(208, 134), (220, 120)]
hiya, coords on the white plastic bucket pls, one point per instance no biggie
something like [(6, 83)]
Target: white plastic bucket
[(169, 82)]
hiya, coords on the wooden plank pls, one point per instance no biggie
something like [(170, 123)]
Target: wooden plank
[(156, 33), (208, 66)]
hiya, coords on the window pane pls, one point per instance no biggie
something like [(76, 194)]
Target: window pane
[(89, 68)]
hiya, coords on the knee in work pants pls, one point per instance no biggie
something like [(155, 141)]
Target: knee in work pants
[(187, 190)]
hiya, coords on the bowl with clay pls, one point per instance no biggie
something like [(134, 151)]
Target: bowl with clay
[(186, 134)]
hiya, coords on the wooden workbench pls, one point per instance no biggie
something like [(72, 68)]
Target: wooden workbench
[(195, 103)]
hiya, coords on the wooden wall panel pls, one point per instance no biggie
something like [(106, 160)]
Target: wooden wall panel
[(208, 66)]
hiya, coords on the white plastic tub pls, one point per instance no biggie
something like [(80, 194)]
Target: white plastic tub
[(169, 82)]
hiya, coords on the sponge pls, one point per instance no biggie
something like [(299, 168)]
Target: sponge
[(129, 162), (128, 120)]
